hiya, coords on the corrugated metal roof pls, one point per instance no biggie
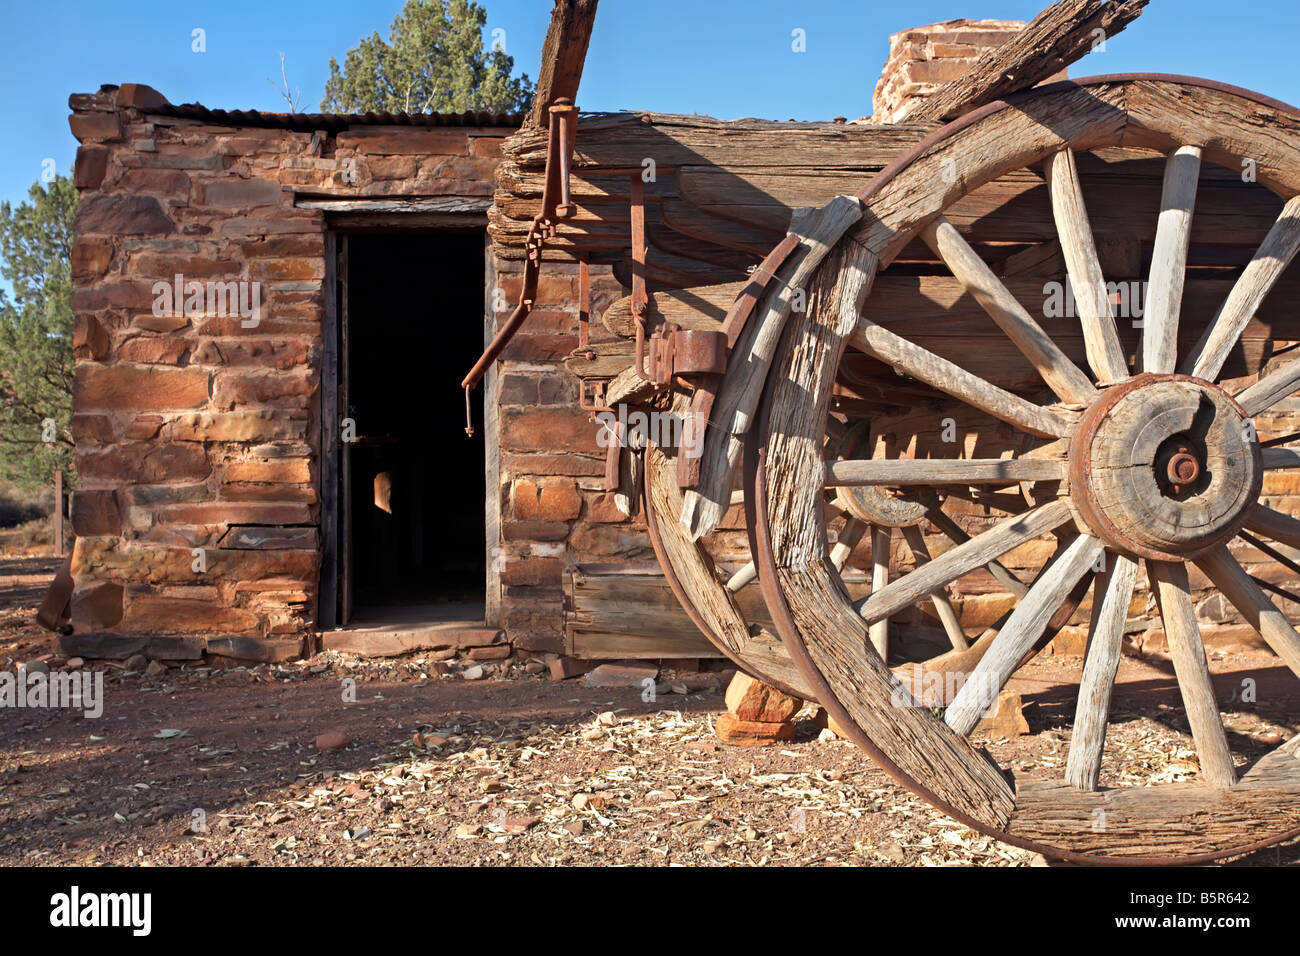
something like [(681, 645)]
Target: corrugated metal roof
[(334, 121)]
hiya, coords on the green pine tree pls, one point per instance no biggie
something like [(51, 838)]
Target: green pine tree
[(434, 60), (36, 324)]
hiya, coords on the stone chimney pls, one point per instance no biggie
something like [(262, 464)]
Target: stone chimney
[(924, 58)]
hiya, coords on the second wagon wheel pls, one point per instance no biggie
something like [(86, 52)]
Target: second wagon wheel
[(1150, 458)]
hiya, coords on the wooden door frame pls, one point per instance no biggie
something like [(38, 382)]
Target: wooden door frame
[(333, 522)]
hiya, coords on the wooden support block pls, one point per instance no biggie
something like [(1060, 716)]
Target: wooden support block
[(749, 699)]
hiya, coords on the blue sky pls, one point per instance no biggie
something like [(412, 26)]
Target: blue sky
[(727, 58)]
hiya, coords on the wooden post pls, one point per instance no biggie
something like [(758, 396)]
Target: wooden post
[(58, 512)]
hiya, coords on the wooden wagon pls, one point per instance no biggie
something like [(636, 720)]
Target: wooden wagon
[(1045, 325)]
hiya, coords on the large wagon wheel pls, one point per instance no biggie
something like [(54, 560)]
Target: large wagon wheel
[(1156, 463), (718, 603)]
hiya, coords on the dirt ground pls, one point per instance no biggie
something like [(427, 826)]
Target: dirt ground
[(218, 766)]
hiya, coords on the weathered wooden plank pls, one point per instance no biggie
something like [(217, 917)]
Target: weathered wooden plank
[(563, 53), (622, 141), (1270, 389)]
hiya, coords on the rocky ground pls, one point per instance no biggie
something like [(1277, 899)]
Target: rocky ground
[(225, 766)]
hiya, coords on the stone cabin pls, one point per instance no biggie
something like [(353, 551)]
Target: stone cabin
[(273, 315)]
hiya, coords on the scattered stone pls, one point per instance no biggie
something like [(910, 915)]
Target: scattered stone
[(473, 672), (155, 669), (519, 824), (625, 674), (333, 740), (562, 668), (136, 664), (491, 785), (574, 826), (585, 801), (37, 667), (1271, 739), (73, 663), (750, 699), (752, 733), (1006, 717)]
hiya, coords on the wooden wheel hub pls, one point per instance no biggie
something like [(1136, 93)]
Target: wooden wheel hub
[(1165, 467)]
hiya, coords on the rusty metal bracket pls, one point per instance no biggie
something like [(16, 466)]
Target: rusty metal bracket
[(556, 205)]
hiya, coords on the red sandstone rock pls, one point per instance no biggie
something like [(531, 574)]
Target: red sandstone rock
[(333, 740), (551, 501), (139, 387), (752, 700), (751, 733)]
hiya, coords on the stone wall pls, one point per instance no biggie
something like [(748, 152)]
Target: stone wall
[(924, 58), (199, 435)]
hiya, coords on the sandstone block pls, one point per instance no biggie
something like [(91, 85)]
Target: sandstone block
[(120, 387), (752, 700), (751, 733), (122, 215), (548, 501)]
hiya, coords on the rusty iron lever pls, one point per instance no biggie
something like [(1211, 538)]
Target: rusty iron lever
[(556, 205)]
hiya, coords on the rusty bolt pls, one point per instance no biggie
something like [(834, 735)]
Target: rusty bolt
[(1184, 468)]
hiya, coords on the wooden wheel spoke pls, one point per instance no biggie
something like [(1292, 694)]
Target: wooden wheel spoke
[(1255, 606), (1111, 599), (952, 564), (850, 535), (1277, 459), (881, 540), (1264, 269), (942, 603), (1062, 375), (957, 535), (1184, 635), (1024, 626), (746, 575), (1274, 524), (1101, 338), (952, 379), (1270, 389), (1169, 260), (851, 472)]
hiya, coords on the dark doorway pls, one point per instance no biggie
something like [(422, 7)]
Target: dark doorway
[(413, 528)]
